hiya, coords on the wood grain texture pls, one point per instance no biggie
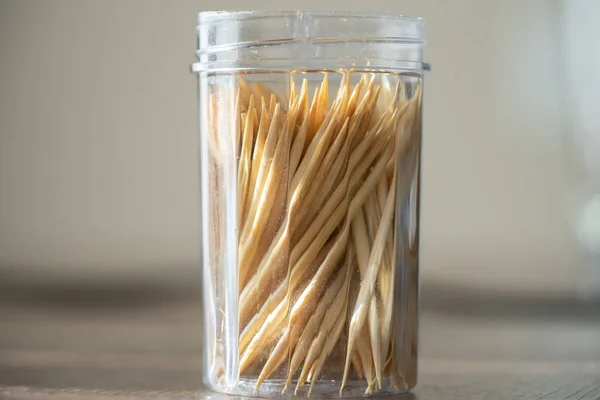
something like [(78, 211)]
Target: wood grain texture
[(145, 343)]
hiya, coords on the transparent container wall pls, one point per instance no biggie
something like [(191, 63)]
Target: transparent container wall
[(310, 219)]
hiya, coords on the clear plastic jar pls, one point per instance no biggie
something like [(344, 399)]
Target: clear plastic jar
[(310, 132)]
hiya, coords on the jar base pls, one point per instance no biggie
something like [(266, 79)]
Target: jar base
[(274, 388)]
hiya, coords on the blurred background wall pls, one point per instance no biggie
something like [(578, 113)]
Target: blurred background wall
[(98, 125)]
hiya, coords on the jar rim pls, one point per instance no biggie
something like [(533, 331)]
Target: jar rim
[(222, 15)]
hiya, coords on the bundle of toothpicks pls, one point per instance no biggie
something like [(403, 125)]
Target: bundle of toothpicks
[(319, 186)]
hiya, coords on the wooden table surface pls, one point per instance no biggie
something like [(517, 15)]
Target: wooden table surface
[(143, 342)]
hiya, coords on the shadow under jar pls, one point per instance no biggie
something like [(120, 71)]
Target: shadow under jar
[(310, 133)]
